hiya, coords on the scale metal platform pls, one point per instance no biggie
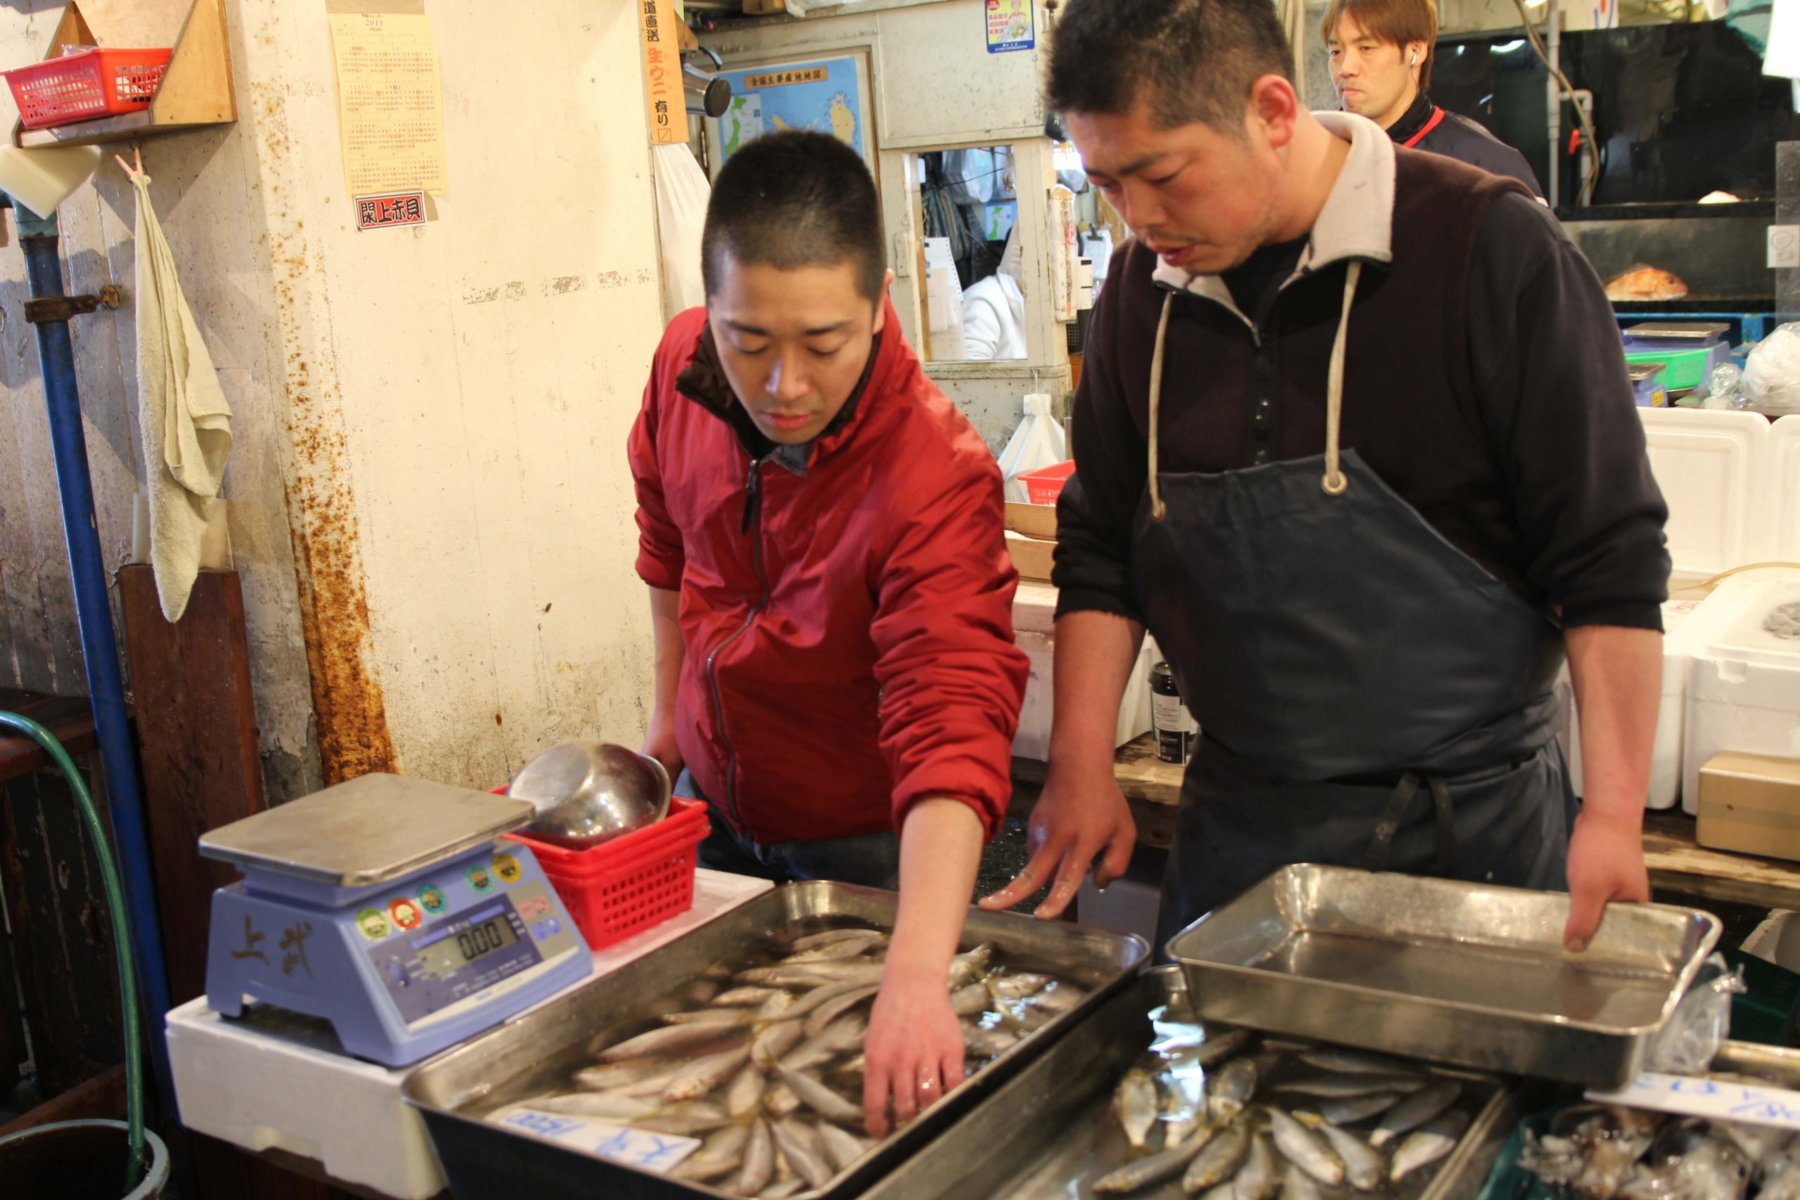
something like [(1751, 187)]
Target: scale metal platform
[(385, 906)]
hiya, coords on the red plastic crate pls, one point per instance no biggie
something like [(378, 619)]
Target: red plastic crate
[(81, 87), (1045, 484), (623, 887)]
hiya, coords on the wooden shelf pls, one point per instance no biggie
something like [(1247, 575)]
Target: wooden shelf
[(1676, 861), (196, 88)]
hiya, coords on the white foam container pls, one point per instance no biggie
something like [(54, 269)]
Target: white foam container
[(1671, 717), (1743, 682), (1710, 465), (1781, 516), (1034, 623)]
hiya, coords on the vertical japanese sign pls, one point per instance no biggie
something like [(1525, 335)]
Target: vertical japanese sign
[(663, 95), (1011, 25)]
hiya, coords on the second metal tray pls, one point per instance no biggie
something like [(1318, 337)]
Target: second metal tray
[(1458, 972), (1050, 1132)]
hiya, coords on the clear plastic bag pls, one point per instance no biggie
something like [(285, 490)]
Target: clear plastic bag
[(1772, 371), (1701, 1021)]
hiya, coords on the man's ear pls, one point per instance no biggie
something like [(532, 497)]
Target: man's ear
[(881, 299)]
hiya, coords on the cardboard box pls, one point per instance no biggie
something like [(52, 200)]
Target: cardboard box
[(1750, 803), (1032, 520), (1032, 556)]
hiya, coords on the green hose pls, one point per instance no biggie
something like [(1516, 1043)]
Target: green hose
[(115, 904)]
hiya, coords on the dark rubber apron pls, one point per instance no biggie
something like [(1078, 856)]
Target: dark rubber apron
[(1367, 694)]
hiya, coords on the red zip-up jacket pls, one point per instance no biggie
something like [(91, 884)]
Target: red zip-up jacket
[(847, 628)]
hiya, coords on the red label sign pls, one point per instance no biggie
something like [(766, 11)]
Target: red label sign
[(395, 208)]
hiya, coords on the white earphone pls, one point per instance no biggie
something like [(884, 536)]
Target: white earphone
[(1415, 59)]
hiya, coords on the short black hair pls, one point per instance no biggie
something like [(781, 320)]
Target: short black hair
[(795, 199), (1191, 60)]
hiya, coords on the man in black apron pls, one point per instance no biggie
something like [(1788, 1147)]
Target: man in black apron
[(1354, 441)]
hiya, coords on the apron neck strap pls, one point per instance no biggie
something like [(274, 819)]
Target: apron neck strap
[(1334, 482)]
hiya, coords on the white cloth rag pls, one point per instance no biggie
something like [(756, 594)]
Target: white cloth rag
[(184, 422)]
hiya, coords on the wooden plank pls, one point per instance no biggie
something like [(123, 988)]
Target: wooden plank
[(197, 746), (101, 1098), (62, 935), (70, 720), (1678, 863)]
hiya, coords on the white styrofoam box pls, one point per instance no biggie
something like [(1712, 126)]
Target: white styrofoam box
[(1710, 465), (283, 1082), (1034, 620), (1665, 753), (1782, 512), (1743, 684)]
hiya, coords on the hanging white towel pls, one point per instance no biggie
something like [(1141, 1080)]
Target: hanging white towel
[(681, 195), (184, 422)]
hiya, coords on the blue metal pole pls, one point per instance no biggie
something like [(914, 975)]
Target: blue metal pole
[(93, 609)]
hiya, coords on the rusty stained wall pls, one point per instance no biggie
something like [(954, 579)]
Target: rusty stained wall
[(458, 395), (204, 185)]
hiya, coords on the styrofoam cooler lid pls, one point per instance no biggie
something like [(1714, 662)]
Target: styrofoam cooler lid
[(1783, 512), (1765, 629), (1709, 465), (1034, 607)]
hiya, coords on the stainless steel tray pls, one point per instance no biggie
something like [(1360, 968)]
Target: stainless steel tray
[(1774, 1063), (453, 1091), (1049, 1132), (1457, 972)]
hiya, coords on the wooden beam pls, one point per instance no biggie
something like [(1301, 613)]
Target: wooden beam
[(99, 1098)]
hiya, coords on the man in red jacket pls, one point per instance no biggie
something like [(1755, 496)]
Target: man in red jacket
[(823, 538)]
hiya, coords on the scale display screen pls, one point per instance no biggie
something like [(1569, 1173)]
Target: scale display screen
[(448, 954)]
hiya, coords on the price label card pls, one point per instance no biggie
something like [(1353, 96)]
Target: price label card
[(1699, 1096), (644, 1148)]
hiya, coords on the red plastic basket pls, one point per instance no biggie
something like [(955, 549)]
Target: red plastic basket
[(1046, 484), (625, 886), (80, 87)]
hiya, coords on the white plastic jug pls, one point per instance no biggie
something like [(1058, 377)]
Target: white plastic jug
[(1038, 442)]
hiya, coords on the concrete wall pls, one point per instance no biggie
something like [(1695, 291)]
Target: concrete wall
[(429, 502)]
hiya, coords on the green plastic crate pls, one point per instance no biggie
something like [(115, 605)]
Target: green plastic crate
[(1681, 368), (1768, 1011)]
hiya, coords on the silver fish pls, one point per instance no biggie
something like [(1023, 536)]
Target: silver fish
[(759, 1161), (1257, 1178), (1298, 1145), (1017, 987), (744, 1096), (1135, 1102), (1414, 1111), (1342, 1060), (828, 936), (1230, 1090), (611, 1075), (704, 1074), (1348, 1110), (818, 1097), (1363, 1165), (1218, 1160), (1337, 1087), (1428, 1143), (1058, 997), (1222, 1191), (775, 1041), (685, 1120), (779, 1100), (1154, 1169), (776, 1005), (970, 965), (701, 991), (850, 1066), (602, 1105), (717, 971), (822, 993), (842, 948), (1222, 1046), (988, 1043), (840, 1145), (721, 1152), (1298, 1185), (748, 996), (708, 1016), (829, 1011), (845, 1033), (801, 974), (800, 1155), (652, 1085), (967, 1001), (784, 1189), (666, 1039)]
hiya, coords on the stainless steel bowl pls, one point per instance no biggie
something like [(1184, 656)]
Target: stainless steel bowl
[(589, 792)]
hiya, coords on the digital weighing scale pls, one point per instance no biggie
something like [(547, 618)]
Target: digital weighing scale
[(385, 906)]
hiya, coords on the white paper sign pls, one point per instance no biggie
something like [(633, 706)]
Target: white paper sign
[(1718, 1099), (635, 1147)]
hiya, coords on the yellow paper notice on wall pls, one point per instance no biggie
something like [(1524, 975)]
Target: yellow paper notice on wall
[(664, 98), (390, 96)]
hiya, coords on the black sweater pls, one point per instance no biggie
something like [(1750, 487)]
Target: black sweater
[(1484, 381)]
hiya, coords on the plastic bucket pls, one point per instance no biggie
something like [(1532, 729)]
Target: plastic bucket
[(78, 1160)]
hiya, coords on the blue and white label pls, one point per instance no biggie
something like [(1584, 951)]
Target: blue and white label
[(643, 1148), (1717, 1099)]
